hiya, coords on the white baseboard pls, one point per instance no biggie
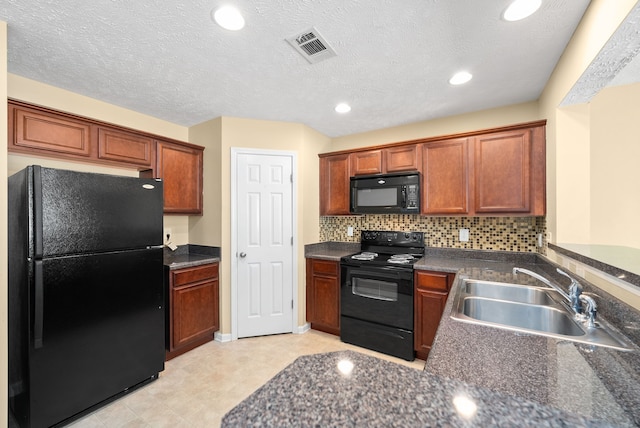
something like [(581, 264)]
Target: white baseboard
[(219, 337), (303, 328)]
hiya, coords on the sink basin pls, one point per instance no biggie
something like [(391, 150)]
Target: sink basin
[(510, 292), (545, 319), (530, 310)]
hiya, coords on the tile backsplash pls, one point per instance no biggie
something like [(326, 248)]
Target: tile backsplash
[(485, 233)]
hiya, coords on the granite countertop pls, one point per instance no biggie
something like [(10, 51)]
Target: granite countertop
[(593, 382), (349, 389), (331, 250), (190, 255)]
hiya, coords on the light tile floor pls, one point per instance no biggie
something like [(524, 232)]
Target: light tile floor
[(196, 389)]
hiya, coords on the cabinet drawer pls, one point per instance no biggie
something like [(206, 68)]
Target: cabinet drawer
[(432, 280), (325, 267), (198, 273)]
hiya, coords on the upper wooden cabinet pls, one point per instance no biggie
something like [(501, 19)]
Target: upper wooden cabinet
[(125, 147), (180, 168), (499, 171), (48, 134), (364, 163), (445, 177), (39, 131), (392, 159), (509, 172), (334, 184), (402, 158)]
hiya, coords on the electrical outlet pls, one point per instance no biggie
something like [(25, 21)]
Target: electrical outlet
[(167, 235), (350, 231), (464, 235)]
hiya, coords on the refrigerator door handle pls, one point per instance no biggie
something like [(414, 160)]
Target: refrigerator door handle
[(38, 318), (37, 211)]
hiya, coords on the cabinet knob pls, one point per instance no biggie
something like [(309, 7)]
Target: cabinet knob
[(243, 255)]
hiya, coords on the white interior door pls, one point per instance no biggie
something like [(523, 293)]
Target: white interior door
[(264, 246)]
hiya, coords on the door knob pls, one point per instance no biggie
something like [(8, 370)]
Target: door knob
[(243, 255)]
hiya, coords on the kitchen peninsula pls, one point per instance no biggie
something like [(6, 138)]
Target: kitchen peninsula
[(561, 378)]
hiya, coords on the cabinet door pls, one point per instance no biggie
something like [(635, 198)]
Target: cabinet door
[(404, 158), (445, 169), (429, 306), (194, 307), (195, 310), (124, 147), (34, 131), (503, 172), (180, 168), (334, 185), (369, 162), (323, 295)]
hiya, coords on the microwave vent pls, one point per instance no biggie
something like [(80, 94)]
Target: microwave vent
[(312, 46)]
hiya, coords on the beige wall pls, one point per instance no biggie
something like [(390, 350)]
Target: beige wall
[(615, 175), (600, 21), (468, 122), (3, 223), (207, 229)]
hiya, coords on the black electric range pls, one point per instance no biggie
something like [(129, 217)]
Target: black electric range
[(376, 306)]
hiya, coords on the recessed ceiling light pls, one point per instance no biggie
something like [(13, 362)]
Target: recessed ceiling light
[(343, 108), (229, 18), (520, 9), (460, 78)]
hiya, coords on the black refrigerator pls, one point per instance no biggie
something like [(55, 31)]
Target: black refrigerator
[(86, 297)]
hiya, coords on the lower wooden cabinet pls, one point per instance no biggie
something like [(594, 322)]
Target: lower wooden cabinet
[(323, 295), (431, 292), (193, 314)]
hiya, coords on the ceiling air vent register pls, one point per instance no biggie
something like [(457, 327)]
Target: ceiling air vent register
[(312, 46)]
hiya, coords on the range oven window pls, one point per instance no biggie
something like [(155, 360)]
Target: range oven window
[(374, 289)]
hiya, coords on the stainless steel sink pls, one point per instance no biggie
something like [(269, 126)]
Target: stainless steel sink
[(510, 292), (545, 319), (530, 310)]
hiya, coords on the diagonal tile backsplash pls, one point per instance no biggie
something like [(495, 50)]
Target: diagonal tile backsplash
[(485, 233)]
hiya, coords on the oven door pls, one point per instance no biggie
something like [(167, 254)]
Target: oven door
[(382, 295)]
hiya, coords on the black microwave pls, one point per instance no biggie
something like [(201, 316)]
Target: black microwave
[(385, 194)]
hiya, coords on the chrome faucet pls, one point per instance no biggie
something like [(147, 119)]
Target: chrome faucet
[(591, 310), (575, 291)]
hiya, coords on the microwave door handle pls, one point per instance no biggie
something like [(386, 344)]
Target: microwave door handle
[(404, 196)]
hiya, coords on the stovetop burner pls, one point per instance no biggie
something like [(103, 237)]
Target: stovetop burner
[(384, 248), (402, 259), (365, 256)]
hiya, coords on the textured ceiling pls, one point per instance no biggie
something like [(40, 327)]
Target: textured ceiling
[(168, 59)]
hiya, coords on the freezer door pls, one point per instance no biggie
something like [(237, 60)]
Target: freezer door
[(102, 331), (76, 212)]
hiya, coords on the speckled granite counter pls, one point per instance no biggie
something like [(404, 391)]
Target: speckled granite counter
[(621, 262), (595, 383), (320, 391), (330, 250), (190, 255)]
